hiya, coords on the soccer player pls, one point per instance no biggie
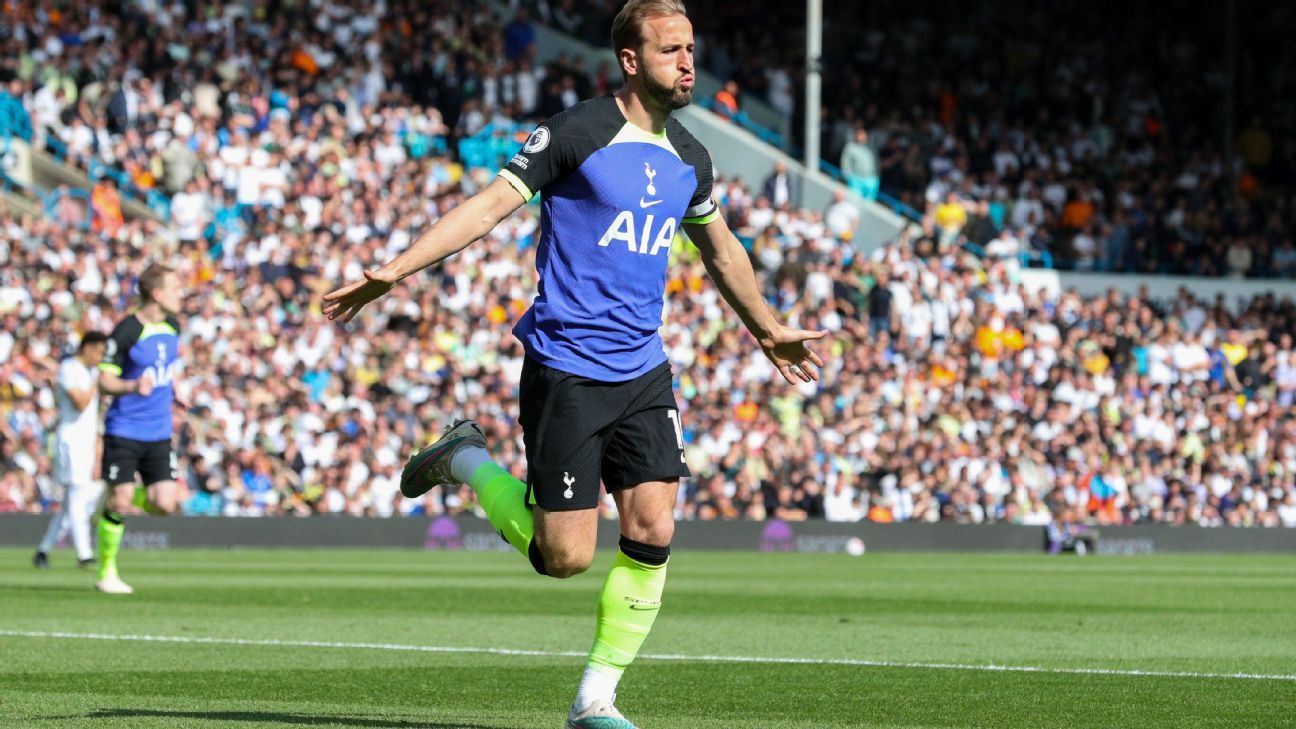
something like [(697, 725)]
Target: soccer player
[(618, 177), (77, 393), (139, 366)]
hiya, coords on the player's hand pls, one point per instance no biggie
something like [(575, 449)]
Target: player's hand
[(144, 385), (346, 302), (793, 358)]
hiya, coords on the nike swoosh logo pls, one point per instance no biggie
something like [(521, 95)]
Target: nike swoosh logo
[(645, 204), (433, 456), (644, 608)]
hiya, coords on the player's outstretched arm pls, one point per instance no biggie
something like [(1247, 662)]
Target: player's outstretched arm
[(727, 263), (449, 235)]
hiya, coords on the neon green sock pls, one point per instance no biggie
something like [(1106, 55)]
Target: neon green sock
[(111, 530), (141, 501), (628, 606), (503, 498)]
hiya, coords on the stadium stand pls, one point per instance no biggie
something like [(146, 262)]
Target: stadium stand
[(1108, 141), (290, 162)]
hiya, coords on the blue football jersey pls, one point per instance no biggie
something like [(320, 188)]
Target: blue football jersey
[(612, 199), (134, 348)]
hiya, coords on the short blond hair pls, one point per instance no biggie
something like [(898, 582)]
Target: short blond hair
[(152, 280), (627, 27)]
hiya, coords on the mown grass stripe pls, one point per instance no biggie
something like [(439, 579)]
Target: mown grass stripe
[(770, 660)]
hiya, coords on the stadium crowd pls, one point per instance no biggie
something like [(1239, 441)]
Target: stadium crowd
[(951, 392), (1094, 133)]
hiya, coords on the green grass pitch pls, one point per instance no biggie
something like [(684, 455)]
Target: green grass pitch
[(249, 629)]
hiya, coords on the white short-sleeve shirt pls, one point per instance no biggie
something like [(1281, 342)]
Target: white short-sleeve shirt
[(77, 427)]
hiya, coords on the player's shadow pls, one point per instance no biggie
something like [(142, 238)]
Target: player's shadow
[(275, 717)]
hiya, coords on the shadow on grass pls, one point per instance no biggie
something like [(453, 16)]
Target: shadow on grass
[(86, 588), (275, 717)]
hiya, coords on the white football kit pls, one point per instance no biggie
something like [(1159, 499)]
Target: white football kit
[(78, 433)]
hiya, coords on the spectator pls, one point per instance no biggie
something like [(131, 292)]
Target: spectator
[(1256, 144), (107, 207), (1284, 260), (519, 36), (726, 100), (841, 217), (879, 306), (124, 106), (191, 212), (1239, 258), (951, 217), (779, 187), (953, 392), (860, 165), (1120, 147), (1085, 247)]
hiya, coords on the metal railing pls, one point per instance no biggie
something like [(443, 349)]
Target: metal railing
[(1025, 258), (50, 200), (897, 206), (743, 120), (770, 137), (97, 169)]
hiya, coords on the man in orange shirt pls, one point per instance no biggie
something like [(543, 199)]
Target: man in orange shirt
[(1078, 211), (726, 100), (106, 203)]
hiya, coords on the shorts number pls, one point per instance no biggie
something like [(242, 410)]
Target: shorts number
[(679, 432)]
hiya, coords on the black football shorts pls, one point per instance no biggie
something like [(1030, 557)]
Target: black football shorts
[(124, 457), (580, 431)]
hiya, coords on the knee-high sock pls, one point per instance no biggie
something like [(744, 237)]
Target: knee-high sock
[(111, 530), (80, 505), (628, 605), (142, 502), (501, 496), (58, 526)]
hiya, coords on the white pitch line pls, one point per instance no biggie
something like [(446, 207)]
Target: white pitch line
[(647, 656)]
